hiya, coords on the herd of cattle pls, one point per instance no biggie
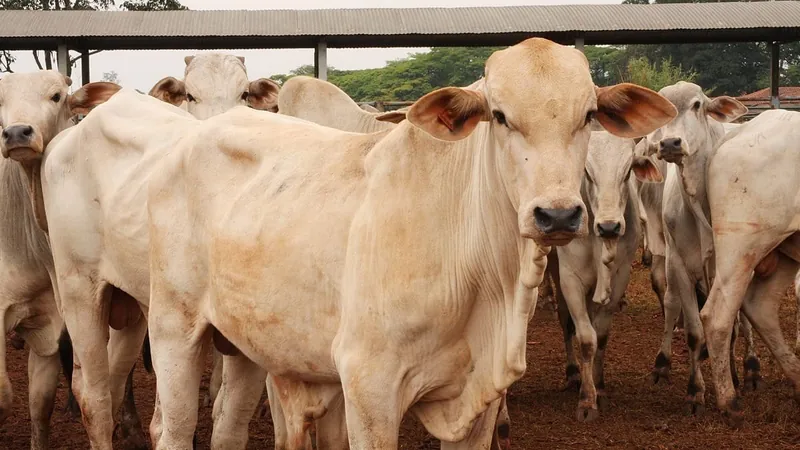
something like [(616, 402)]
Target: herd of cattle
[(362, 264)]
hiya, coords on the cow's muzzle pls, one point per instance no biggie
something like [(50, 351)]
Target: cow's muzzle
[(671, 150), (18, 143)]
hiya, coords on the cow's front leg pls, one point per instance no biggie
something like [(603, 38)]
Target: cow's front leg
[(373, 404), (575, 299), (237, 400)]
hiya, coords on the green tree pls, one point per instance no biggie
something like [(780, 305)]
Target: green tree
[(642, 72), (46, 60), (729, 68)]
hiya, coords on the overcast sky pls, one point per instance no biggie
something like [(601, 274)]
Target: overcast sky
[(142, 69)]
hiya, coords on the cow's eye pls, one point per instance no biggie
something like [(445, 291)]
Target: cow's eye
[(589, 117), (56, 98), (190, 98), (696, 106), (500, 117), (245, 95)]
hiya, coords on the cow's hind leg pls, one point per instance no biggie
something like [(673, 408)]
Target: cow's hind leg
[(568, 330), (752, 365), (85, 311), (124, 347), (42, 384), (178, 341), (671, 307), (761, 306), (216, 377), (237, 400), (797, 311)]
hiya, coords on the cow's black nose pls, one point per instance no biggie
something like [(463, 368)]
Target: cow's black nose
[(609, 229), (670, 144), (555, 220), (17, 135)]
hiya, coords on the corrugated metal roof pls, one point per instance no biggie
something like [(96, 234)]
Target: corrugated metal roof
[(591, 20), (385, 21)]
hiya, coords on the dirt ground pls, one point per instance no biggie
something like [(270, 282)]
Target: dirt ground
[(641, 415)]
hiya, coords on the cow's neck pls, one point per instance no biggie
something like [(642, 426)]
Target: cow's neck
[(20, 237)]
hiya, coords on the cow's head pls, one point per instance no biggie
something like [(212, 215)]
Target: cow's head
[(692, 133), (214, 83), (609, 165), (36, 106), (540, 100)]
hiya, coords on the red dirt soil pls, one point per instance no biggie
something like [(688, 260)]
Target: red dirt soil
[(641, 415)]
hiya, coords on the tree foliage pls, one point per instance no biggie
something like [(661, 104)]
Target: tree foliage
[(656, 76)]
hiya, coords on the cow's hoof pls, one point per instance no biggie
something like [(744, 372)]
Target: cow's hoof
[(661, 369), (603, 403), (586, 415), (752, 373), (573, 378), (734, 419), (692, 408)]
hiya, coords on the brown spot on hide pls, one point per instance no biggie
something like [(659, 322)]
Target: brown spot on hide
[(223, 345)]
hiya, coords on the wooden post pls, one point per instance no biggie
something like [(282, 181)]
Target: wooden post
[(62, 56), (579, 43), (774, 74), (85, 67), (321, 60)]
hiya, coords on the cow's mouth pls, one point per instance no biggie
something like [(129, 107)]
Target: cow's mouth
[(22, 154), (556, 239)]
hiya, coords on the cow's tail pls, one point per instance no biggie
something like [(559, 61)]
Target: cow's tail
[(65, 356), (146, 356)]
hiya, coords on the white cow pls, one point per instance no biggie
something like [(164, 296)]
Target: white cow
[(414, 254), (335, 109), (106, 282), (752, 195), (594, 271), (687, 143), (34, 107), (213, 83)]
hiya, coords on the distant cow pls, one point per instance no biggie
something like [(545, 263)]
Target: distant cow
[(687, 143), (34, 108), (402, 264), (753, 189), (594, 271)]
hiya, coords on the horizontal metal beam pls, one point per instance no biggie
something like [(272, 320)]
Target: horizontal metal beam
[(412, 40)]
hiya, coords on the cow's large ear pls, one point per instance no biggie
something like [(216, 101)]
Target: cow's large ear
[(645, 170), (725, 109), (188, 59), (263, 95), (449, 113), (631, 111), (391, 116), (91, 95), (170, 90)]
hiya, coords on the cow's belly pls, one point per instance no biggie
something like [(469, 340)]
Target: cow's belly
[(279, 305)]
